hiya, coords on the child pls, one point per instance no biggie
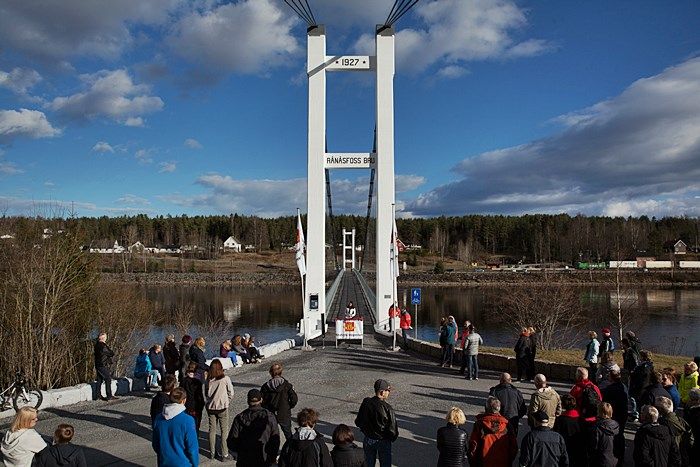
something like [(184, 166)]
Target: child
[(62, 453)]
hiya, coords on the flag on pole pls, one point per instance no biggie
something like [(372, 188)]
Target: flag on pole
[(394, 250), (300, 246)]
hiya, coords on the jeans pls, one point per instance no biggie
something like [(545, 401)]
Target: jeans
[(377, 448), (404, 333), (472, 367), (222, 420), (104, 375), (286, 428), (447, 352)]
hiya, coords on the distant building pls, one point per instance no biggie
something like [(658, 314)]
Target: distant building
[(680, 248), (137, 247), (7, 237), (232, 244)]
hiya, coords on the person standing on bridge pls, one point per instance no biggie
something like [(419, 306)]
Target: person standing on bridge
[(103, 362), (280, 398), (405, 324), (377, 421), (350, 311)]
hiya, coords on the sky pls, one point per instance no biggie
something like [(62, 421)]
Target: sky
[(199, 106)]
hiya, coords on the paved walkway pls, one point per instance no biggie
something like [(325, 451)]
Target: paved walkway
[(333, 381)]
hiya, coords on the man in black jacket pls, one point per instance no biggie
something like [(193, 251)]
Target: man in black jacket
[(254, 434), (542, 446), (512, 402), (377, 421), (653, 391), (280, 398), (653, 444), (103, 361)]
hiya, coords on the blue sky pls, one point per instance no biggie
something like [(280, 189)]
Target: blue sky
[(199, 107)]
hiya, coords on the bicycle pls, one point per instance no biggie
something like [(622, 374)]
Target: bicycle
[(20, 394)]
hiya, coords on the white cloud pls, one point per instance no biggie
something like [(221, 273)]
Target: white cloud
[(134, 121), (143, 156), (110, 94), (454, 32), (403, 183), (54, 31), (19, 80), (452, 72), (103, 147), (248, 36), (193, 143), (9, 168), (638, 152), (133, 200), (167, 167), (25, 123)]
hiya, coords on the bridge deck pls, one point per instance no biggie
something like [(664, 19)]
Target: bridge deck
[(350, 290)]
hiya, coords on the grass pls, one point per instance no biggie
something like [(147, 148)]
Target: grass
[(575, 357)]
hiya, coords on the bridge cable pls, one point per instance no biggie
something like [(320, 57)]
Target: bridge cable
[(329, 200), (369, 201), (301, 11), (400, 8)]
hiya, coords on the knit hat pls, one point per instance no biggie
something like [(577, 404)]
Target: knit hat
[(186, 339), (606, 330), (254, 395), (381, 385)]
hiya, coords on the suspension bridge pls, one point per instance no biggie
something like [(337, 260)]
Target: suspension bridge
[(348, 279)]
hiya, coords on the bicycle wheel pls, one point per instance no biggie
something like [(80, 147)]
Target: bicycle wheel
[(27, 398)]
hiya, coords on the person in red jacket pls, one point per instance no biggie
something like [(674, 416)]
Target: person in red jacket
[(587, 396), (491, 444), (405, 324)]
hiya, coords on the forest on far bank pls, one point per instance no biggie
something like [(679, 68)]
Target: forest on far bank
[(537, 238)]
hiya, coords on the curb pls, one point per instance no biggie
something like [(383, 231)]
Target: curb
[(122, 386)]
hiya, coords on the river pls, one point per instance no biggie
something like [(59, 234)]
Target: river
[(666, 320)]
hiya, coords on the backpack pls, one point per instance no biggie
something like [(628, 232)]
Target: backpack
[(589, 402)]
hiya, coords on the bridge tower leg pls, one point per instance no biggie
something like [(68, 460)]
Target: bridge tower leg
[(384, 170), (315, 300)]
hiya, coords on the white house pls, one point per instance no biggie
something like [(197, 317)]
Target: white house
[(137, 247), (232, 244)]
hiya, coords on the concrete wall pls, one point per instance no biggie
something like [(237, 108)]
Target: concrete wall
[(488, 361), (122, 386)]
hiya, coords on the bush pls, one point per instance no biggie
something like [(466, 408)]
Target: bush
[(439, 268)]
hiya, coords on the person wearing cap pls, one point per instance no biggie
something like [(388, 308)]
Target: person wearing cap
[(254, 435), (377, 421), (607, 345), (542, 446)]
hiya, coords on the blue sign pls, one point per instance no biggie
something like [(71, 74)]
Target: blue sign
[(415, 296)]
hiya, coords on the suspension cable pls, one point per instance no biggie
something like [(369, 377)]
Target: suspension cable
[(369, 202), (398, 9), (303, 10)]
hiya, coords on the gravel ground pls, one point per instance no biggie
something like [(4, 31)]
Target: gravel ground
[(333, 381)]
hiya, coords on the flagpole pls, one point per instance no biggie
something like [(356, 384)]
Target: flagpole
[(303, 295)]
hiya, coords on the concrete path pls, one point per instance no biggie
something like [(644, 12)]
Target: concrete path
[(333, 381)]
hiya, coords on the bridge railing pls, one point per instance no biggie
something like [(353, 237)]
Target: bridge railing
[(367, 293), (333, 290)]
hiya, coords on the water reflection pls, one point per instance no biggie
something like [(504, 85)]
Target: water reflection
[(667, 320)]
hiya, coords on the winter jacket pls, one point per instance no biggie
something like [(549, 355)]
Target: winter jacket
[(218, 393), (143, 366), (160, 400), (543, 447), (608, 345), (570, 426), (197, 356), (491, 444), (602, 376), (630, 359), (600, 443), (692, 416), (578, 392), (651, 393), (405, 321), (175, 438), (473, 342), (512, 402), (172, 357), (103, 355), (195, 394), (547, 400), (348, 455), (255, 436), (522, 347), (463, 337), (157, 359), (640, 378), (686, 383), (654, 447), (682, 435), (61, 455), (443, 335), (592, 351), (279, 398), (223, 351), (451, 333), (18, 447), (675, 395), (533, 346), (376, 419), (617, 396), (184, 356), (452, 443), (306, 448)]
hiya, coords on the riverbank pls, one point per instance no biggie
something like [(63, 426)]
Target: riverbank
[(283, 276)]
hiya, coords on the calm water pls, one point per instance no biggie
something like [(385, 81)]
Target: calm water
[(669, 319)]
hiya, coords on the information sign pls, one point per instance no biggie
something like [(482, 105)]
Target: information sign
[(415, 296)]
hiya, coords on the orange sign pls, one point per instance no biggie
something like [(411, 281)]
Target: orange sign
[(349, 326)]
